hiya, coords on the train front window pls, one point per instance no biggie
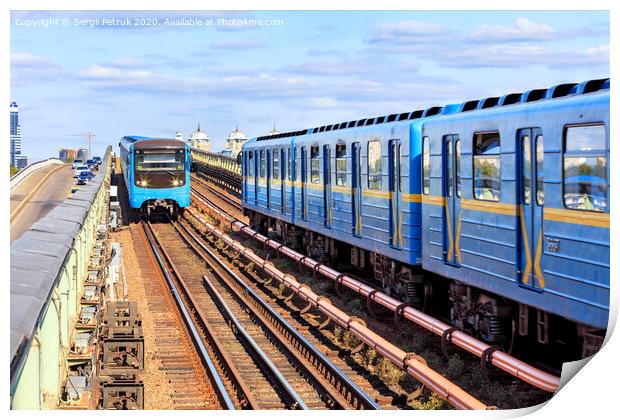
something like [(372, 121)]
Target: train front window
[(585, 168), (158, 160)]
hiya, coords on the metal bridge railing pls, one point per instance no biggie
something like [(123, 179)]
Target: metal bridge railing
[(49, 264)]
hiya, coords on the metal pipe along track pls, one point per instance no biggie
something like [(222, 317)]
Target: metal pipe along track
[(262, 383), (415, 366), (499, 359), (358, 397)]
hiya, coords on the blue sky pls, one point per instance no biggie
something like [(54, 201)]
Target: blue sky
[(311, 69)]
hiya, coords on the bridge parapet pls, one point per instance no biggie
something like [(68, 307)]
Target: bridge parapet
[(21, 175), (220, 169), (49, 267)]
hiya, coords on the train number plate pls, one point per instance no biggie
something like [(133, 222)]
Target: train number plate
[(552, 245)]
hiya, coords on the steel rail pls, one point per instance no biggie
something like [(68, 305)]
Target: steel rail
[(219, 384), (409, 362), (231, 201), (499, 359), (292, 400), (228, 366), (360, 395), (295, 400)]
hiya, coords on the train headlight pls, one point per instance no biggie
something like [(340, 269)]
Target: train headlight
[(144, 183), (175, 183)]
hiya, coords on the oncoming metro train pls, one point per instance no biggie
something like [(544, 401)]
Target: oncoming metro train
[(156, 173), (501, 203)]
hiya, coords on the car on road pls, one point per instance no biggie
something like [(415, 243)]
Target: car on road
[(78, 169), (97, 159), (83, 178), (88, 174), (92, 164), (76, 163)]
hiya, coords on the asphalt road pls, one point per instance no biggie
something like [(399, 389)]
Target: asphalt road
[(52, 192)]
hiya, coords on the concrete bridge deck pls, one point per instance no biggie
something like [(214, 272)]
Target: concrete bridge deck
[(39, 193)]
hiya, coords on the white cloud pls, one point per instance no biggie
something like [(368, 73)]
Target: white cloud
[(27, 60), (516, 56), (127, 62), (26, 67), (322, 103), (96, 71), (520, 31), (238, 44), (326, 68), (408, 32)]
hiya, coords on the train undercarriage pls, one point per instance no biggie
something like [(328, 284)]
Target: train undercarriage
[(161, 206), (494, 319)]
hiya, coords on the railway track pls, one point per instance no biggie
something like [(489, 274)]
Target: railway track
[(503, 361), (176, 346), (233, 202), (277, 365)]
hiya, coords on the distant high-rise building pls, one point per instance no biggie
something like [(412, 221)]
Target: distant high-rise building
[(21, 161), (66, 154), (15, 134), (82, 153), (178, 136)]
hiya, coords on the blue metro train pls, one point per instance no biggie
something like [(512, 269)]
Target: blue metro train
[(505, 197), (156, 173)]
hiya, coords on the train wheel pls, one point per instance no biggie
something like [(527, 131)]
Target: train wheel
[(509, 344)]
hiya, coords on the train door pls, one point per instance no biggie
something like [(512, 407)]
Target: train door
[(327, 190), (395, 197), (282, 172), (245, 169), (268, 178), (290, 159), (356, 185), (304, 175), (530, 204), (452, 197), (255, 162)]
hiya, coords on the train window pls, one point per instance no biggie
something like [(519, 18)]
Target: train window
[(289, 165), (173, 160), (540, 157), (315, 165), (487, 182), (374, 165), (298, 167), (400, 169), (341, 164), (276, 164), (426, 166), (457, 163), (526, 170), (262, 164), (250, 164), (449, 168), (585, 168), (284, 164)]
